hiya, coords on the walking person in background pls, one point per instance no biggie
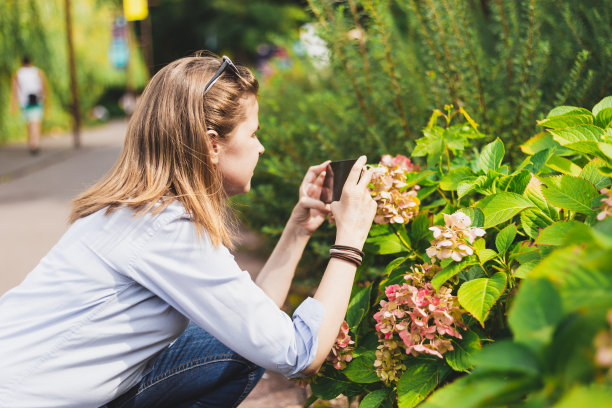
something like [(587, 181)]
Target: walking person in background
[(29, 91), (140, 303)]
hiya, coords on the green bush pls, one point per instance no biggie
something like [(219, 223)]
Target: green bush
[(519, 317), (393, 62)]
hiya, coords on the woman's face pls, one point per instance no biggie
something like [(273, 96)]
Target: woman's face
[(238, 156)]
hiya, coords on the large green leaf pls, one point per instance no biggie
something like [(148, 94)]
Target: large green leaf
[(415, 177), (571, 193), (563, 165), (582, 133), (383, 240), (375, 399), (450, 181), (361, 370), (507, 356), (535, 312), (555, 233), (460, 357), (479, 295), (591, 173), (500, 207), (567, 120), (491, 155), (566, 110), (604, 118), (594, 395), (358, 307), (533, 192), (505, 237), (532, 221), (329, 387), (480, 391), (451, 270), (539, 142), (420, 378), (601, 105), (597, 149)]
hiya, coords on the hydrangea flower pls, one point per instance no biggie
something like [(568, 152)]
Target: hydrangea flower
[(394, 205), (454, 239), (342, 350), (416, 318), (606, 205)]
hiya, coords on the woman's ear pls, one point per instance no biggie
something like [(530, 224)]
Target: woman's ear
[(215, 146)]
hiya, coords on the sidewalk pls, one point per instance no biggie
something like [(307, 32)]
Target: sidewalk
[(39, 189)]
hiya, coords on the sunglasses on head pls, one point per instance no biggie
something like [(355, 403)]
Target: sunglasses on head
[(226, 62)]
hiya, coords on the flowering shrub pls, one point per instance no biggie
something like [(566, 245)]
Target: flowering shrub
[(396, 204), (415, 317), (342, 350), (455, 239), (446, 314)]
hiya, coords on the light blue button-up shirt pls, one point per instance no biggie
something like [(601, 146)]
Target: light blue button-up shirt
[(87, 322)]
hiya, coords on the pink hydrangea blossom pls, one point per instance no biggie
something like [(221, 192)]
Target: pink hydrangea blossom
[(606, 205), (342, 350), (454, 239), (395, 206), (416, 318)]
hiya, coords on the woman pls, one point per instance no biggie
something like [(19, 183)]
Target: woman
[(29, 90), (104, 317)]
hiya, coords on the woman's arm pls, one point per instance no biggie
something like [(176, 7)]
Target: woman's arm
[(353, 214), (276, 275)]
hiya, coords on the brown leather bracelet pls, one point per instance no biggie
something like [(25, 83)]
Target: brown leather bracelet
[(345, 258), (349, 248)]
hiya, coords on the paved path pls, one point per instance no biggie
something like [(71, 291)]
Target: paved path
[(35, 195)]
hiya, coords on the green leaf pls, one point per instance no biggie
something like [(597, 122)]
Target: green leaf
[(415, 177), (419, 379), (491, 156), (501, 207), (382, 240), (475, 215), (451, 270), (504, 238), (507, 356), (358, 307), (450, 181), (361, 370), (479, 295), (567, 110), (523, 271), (604, 118), (593, 395), (375, 398), (563, 165), (532, 221), (597, 149), (555, 233), (536, 310), (564, 121), (539, 142), (591, 173), (571, 193), (472, 391), (460, 357), (327, 388), (601, 105), (533, 192), (575, 134), (419, 228), (519, 182)]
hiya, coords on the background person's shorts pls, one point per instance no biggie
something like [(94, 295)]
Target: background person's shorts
[(32, 113)]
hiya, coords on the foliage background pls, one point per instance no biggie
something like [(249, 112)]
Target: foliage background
[(392, 62)]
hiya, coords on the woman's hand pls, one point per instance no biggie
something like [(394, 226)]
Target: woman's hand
[(355, 210), (310, 212)]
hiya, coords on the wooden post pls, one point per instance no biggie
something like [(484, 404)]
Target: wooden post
[(76, 115)]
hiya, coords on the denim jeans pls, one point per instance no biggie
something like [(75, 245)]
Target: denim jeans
[(196, 371)]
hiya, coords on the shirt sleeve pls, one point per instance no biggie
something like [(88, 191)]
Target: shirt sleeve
[(205, 284)]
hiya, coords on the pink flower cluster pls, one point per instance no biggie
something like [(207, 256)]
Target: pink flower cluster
[(603, 343), (394, 205), (454, 239), (606, 205), (417, 318), (342, 350)]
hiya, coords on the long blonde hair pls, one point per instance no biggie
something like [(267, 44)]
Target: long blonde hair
[(166, 152)]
